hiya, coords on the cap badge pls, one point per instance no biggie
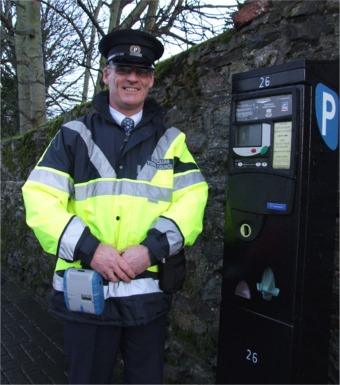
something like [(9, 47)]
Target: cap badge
[(135, 50)]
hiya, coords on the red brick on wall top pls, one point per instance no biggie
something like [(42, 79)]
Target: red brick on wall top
[(249, 12)]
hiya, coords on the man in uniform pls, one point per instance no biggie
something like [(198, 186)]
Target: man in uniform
[(118, 192)]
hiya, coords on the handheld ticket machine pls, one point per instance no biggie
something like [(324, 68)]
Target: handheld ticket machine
[(280, 225)]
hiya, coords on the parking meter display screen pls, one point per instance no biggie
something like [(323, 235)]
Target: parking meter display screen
[(264, 108), (249, 135)]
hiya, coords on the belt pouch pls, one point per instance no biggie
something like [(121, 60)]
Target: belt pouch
[(172, 273)]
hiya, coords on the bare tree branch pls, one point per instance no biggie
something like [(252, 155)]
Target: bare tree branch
[(135, 14), (71, 29), (89, 14)]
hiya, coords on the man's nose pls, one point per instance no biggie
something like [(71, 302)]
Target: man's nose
[(132, 76)]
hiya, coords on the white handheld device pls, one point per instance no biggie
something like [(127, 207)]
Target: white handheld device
[(83, 291)]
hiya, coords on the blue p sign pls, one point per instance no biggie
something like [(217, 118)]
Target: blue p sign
[(327, 115)]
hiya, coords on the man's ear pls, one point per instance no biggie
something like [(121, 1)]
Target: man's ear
[(152, 81), (106, 76)]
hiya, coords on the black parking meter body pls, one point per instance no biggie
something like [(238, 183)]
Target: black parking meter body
[(280, 225)]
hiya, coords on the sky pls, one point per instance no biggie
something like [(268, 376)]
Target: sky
[(171, 49)]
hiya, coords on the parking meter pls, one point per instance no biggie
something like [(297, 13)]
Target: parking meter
[(280, 225)]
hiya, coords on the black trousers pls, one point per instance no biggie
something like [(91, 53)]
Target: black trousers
[(92, 351)]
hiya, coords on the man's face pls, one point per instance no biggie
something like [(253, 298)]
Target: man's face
[(129, 86)]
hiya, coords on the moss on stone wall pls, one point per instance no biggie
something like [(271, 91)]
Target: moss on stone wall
[(21, 253), (163, 69)]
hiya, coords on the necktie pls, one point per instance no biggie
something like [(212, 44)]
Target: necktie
[(128, 125)]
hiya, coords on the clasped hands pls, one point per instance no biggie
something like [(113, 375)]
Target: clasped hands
[(113, 266)]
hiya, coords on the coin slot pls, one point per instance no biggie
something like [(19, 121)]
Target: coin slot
[(245, 230)]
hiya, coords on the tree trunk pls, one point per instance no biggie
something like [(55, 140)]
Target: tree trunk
[(89, 55), (30, 65), (150, 19), (116, 8)]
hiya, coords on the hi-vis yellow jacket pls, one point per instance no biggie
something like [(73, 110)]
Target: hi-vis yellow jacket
[(93, 184)]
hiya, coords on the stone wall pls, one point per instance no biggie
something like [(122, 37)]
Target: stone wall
[(195, 87)]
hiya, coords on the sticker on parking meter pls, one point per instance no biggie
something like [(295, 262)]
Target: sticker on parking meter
[(327, 115)]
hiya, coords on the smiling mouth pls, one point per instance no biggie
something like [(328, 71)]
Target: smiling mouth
[(131, 89)]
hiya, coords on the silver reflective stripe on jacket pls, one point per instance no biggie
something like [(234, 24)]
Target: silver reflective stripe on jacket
[(69, 239), (97, 157), (175, 238), (147, 172), (121, 289), (183, 181), (53, 179), (100, 187), (122, 187)]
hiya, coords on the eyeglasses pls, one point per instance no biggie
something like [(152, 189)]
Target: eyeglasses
[(139, 71)]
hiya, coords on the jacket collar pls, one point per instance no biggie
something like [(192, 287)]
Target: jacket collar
[(151, 108)]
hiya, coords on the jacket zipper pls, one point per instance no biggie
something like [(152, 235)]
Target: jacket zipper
[(127, 136)]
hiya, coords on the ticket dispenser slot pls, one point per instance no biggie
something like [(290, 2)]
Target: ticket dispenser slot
[(280, 225)]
